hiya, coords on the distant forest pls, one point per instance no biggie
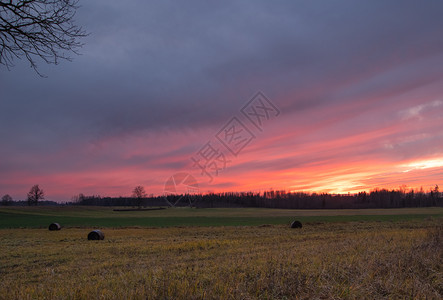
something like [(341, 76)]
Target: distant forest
[(378, 198)]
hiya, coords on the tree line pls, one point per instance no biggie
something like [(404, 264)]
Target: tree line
[(377, 198)]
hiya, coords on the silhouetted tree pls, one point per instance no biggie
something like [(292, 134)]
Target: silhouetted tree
[(35, 194), (38, 28), (6, 200), (139, 194), (435, 195), (78, 199), (437, 191)]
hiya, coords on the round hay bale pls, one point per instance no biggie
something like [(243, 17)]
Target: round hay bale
[(54, 226), (96, 235), (296, 224)]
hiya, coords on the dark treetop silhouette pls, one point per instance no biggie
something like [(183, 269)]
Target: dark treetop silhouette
[(139, 194), (35, 194), (7, 200)]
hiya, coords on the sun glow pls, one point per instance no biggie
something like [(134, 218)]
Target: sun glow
[(423, 164)]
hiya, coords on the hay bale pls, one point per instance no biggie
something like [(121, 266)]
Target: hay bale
[(296, 224), (96, 235), (54, 226)]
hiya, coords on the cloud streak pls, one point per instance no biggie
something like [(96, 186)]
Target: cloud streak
[(359, 86)]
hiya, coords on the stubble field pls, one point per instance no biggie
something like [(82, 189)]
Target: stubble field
[(323, 260)]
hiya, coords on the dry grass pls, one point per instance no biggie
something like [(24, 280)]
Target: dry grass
[(320, 261)]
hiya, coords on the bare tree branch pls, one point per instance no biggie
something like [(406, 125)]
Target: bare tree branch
[(42, 29)]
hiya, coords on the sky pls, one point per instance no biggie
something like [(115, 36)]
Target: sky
[(219, 96)]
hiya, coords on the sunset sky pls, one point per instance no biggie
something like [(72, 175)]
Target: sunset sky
[(353, 91)]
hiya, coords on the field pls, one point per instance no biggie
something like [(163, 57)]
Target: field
[(41, 217), (221, 254)]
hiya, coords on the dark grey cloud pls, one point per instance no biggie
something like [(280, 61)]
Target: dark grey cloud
[(152, 65)]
